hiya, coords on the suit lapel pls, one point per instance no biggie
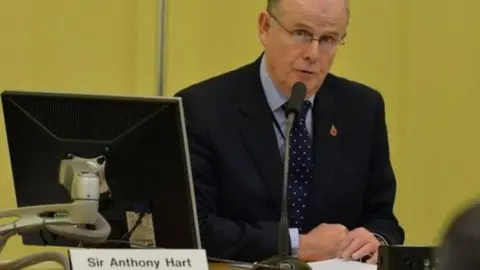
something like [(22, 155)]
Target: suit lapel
[(256, 129), (326, 141)]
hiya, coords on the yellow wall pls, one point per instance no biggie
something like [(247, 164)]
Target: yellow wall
[(208, 37), (441, 111), (421, 61), (88, 46)]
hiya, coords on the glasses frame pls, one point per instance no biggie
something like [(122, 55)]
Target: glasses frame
[(307, 38)]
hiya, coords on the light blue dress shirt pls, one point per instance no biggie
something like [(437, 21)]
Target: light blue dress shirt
[(276, 99)]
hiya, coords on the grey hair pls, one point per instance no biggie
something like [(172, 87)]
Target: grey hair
[(272, 4)]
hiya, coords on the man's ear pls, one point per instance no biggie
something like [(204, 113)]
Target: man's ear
[(263, 27)]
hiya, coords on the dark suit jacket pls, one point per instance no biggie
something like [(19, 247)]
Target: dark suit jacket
[(237, 166)]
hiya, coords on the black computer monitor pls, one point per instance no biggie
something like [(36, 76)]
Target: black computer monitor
[(143, 141)]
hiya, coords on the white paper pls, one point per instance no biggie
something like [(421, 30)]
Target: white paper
[(338, 264)]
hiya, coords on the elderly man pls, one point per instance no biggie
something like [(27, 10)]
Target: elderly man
[(341, 187)]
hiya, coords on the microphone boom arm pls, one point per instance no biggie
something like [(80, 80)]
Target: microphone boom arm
[(83, 178)]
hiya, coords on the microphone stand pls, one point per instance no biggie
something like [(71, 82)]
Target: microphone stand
[(83, 179), (283, 260)]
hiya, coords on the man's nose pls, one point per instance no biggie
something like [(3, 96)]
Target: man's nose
[(312, 51)]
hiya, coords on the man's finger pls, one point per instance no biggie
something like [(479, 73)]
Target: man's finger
[(373, 259), (347, 241), (368, 248), (344, 244), (355, 245)]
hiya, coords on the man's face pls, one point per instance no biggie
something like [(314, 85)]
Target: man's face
[(300, 39)]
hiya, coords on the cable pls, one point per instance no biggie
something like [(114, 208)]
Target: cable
[(127, 235), (34, 259), (100, 234), (142, 209), (31, 259)]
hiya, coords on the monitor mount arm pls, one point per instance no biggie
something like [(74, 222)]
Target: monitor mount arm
[(83, 178)]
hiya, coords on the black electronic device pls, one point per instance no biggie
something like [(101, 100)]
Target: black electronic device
[(140, 141), (407, 258)]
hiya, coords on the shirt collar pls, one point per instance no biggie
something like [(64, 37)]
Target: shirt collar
[(275, 97)]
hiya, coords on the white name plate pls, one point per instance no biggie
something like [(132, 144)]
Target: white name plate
[(137, 259)]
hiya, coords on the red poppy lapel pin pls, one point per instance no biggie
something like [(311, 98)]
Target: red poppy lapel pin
[(333, 131)]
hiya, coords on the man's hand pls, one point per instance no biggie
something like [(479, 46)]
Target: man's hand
[(322, 243), (358, 244)]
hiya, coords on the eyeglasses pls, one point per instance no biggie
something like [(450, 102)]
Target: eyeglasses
[(304, 37)]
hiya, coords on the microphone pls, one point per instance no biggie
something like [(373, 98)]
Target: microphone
[(283, 260), (294, 104)]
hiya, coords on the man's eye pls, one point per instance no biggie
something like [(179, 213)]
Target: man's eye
[(327, 39), (302, 33)]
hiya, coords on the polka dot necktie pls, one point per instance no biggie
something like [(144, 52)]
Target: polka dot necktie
[(300, 170)]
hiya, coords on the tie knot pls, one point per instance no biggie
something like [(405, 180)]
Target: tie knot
[(304, 110), (306, 106)]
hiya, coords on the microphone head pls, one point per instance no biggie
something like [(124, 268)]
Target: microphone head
[(297, 96)]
